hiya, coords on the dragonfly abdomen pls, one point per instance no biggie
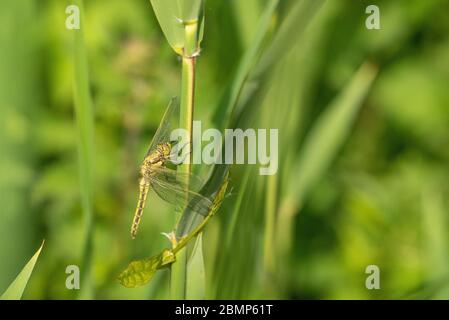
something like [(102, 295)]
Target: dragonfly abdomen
[(144, 188)]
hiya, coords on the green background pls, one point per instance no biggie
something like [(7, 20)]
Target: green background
[(382, 199)]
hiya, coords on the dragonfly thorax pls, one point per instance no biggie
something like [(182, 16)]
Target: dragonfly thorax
[(154, 159)]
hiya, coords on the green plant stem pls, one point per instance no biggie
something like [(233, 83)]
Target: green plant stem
[(85, 125), (187, 104), (179, 269)]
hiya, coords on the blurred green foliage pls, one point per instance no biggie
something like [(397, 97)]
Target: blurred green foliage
[(383, 199)]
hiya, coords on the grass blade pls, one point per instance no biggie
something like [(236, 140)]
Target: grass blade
[(320, 148), (167, 13), (173, 16), (231, 96), (291, 28), (20, 101), (246, 14), (17, 287), (190, 9), (196, 275), (329, 133), (85, 129)]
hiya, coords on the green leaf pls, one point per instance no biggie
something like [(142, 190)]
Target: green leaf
[(84, 114), (246, 14), (320, 148), (328, 134), (196, 275), (190, 9), (215, 190), (168, 16), (140, 272), (237, 210), (172, 16), (16, 288), (292, 27), (251, 68), (227, 105)]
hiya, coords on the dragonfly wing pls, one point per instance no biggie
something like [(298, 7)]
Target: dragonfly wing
[(180, 179), (163, 132), (179, 196), (167, 185), (190, 221)]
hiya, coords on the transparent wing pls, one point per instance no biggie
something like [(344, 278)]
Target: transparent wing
[(163, 132), (169, 185), (190, 220)]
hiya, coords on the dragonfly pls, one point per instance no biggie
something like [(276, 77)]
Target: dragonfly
[(180, 189)]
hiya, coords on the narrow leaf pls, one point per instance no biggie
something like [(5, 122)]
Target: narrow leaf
[(84, 114), (292, 27), (329, 133), (172, 14), (169, 17), (15, 290), (190, 9), (320, 148), (231, 96), (196, 275)]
